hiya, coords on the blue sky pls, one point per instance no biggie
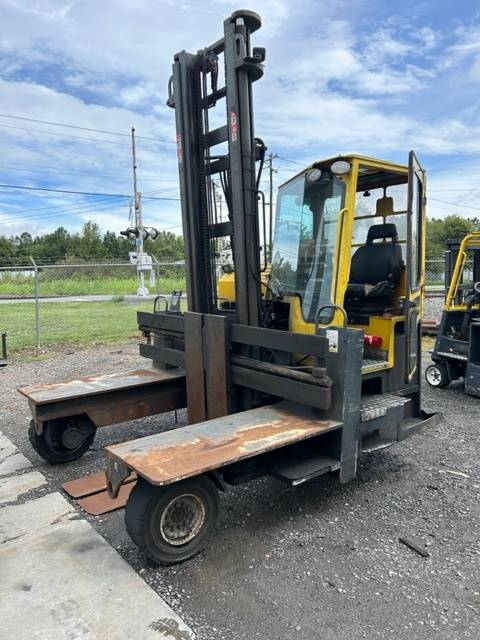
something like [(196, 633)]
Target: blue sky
[(372, 77)]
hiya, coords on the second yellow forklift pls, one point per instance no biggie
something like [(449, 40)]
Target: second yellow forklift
[(456, 354)]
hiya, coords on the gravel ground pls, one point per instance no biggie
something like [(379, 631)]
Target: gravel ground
[(434, 306), (321, 560)]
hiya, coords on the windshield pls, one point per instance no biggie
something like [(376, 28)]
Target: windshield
[(305, 238)]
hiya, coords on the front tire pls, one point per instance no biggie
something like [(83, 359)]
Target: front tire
[(174, 522), (63, 440), (437, 375)]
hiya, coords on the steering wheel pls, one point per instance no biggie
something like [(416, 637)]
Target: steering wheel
[(473, 296)]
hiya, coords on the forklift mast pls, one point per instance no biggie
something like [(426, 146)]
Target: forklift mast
[(452, 250), (193, 93)]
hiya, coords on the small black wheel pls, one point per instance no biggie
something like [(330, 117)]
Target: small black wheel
[(436, 375), (63, 440), (174, 522)]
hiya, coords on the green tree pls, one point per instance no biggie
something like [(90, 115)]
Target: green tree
[(453, 227), (90, 243), (61, 245), (116, 246), (7, 249)]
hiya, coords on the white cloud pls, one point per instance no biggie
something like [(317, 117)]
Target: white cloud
[(454, 190), (328, 88)]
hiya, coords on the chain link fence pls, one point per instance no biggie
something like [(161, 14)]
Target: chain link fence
[(44, 304), (435, 275)]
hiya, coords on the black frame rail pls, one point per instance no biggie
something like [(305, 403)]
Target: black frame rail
[(193, 91)]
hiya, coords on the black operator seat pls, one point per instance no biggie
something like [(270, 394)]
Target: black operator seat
[(374, 273)]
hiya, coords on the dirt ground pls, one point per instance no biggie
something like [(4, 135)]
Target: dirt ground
[(318, 561)]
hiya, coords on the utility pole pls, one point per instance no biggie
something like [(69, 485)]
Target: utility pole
[(142, 290), (220, 200), (271, 171)]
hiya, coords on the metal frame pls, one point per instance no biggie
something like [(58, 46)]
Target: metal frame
[(457, 343), (253, 408), (3, 353), (191, 98), (107, 400), (232, 363)]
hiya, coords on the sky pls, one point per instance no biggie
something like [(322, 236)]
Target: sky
[(365, 76)]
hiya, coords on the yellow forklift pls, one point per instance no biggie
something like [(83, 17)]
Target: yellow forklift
[(304, 368), (456, 353)]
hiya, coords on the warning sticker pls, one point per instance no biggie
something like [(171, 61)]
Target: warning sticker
[(233, 126), (332, 337)]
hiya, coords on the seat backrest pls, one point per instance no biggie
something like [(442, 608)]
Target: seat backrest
[(384, 206), (378, 261)]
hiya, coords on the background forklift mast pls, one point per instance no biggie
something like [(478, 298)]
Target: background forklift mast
[(456, 353)]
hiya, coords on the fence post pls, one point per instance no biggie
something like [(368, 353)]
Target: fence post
[(157, 273), (37, 301)]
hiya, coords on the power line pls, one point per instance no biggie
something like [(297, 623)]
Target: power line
[(50, 168), (454, 170), (84, 210), (455, 204), (63, 135), (81, 210), (74, 126), (61, 209), (81, 193), (301, 164), (68, 207), (67, 172)]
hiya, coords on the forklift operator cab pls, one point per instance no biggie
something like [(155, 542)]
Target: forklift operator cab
[(347, 250), (456, 353)]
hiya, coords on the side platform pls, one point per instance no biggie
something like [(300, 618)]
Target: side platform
[(108, 399)]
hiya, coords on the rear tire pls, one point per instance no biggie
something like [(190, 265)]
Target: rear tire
[(437, 375), (175, 522), (63, 440)]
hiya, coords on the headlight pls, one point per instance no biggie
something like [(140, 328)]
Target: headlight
[(313, 175), (340, 167)]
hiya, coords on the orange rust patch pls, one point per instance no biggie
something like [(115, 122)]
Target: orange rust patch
[(189, 451)]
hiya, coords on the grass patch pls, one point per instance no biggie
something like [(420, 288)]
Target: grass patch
[(70, 322), (82, 285), (80, 323)]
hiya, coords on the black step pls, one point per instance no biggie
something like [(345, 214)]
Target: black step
[(298, 471)]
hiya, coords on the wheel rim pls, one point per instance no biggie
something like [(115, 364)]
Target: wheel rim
[(65, 439), (434, 376), (182, 519), (72, 437)]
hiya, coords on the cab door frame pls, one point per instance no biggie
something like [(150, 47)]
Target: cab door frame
[(415, 266)]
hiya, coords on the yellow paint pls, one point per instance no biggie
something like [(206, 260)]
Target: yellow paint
[(226, 285), (378, 326), (471, 240)]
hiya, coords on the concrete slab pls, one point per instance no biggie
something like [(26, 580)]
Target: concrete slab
[(11, 460), (27, 519), (71, 582), (12, 488)]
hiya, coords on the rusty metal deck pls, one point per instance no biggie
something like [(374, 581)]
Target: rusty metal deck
[(89, 484), (108, 399), (100, 503), (189, 451), (90, 492), (94, 385)]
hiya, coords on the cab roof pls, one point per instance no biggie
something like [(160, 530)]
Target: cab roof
[(376, 169)]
